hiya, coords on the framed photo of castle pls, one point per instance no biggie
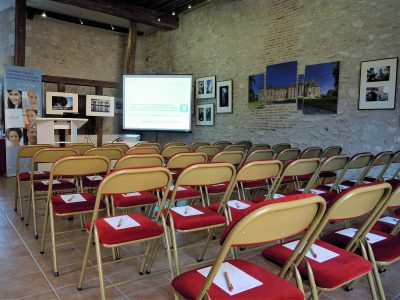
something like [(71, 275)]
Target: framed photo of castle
[(205, 87), (378, 84), (224, 97)]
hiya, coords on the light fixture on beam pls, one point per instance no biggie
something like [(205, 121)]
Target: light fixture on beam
[(189, 6), (80, 21), (112, 27), (173, 13), (158, 19), (44, 14)]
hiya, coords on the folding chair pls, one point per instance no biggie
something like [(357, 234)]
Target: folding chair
[(209, 150), (381, 160), (173, 144), (77, 203), (193, 146), (40, 187), (395, 160), (331, 151), (172, 150), (287, 155), (147, 145), (332, 167), (142, 150), (222, 144), (122, 146), (236, 147), (190, 218), (311, 152), (283, 218), (361, 162), (282, 146), (26, 153), (80, 147), (261, 154), (325, 266), (248, 144), (182, 160), (112, 232), (256, 147)]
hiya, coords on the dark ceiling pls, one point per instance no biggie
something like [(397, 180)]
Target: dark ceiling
[(166, 6)]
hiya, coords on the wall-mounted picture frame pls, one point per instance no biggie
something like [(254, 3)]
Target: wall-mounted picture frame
[(59, 103), (205, 114), (224, 97), (378, 84), (205, 87), (100, 106)]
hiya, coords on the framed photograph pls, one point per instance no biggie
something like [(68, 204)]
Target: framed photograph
[(378, 84), (100, 106), (205, 87), (224, 97), (60, 103), (205, 114)]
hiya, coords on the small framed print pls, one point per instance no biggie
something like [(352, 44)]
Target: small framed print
[(205, 115), (378, 84), (205, 87), (224, 97), (60, 103), (100, 106)]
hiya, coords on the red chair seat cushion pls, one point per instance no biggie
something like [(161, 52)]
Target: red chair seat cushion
[(327, 174), (26, 176), (63, 185), (258, 199), (328, 274), (110, 236), (62, 207), (135, 200), (254, 184), (208, 218), (306, 177), (236, 213), (190, 283), (218, 188), (383, 227), (87, 183), (189, 192)]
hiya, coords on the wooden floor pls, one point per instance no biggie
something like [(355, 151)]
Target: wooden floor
[(27, 274)]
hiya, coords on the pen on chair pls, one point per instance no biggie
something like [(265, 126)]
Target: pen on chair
[(120, 222), (313, 252), (186, 210), (228, 281), (237, 204)]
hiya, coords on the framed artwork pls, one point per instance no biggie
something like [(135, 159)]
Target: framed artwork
[(281, 83), (205, 87), (224, 97), (256, 91), (378, 84), (205, 114), (100, 106), (60, 103)]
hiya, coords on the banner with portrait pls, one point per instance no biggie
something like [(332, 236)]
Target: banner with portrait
[(22, 105)]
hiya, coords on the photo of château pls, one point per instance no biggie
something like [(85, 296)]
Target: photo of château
[(281, 86), (256, 91)]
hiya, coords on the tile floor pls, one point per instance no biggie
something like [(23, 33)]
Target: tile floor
[(27, 274)]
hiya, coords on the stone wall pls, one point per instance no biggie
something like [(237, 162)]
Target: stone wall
[(233, 39)]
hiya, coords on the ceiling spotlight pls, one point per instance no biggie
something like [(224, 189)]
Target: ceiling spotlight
[(173, 13), (189, 6), (80, 21), (112, 27), (158, 19), (44, 14)]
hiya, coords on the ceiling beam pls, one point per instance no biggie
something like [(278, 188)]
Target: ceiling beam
[(127, 11)]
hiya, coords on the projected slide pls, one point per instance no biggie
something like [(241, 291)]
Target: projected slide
[(157, 102)]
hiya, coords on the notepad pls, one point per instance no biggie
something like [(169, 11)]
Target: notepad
[(314, 191), (171, 188), (94, 178), (121, 222), (277, 196), (237, 204), (187, 211), (131, 194), (71, 198), (38, 172), (46, 182), (389, 220), (371, 237), (241, 281), (343, 187), (322, 253)]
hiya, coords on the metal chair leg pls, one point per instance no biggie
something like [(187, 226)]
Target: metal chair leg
[(85, 260), (99, 265), (53, 240)]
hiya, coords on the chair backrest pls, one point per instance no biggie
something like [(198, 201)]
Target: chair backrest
[(81, 147), (260, 155), (394, 201), (182, 160), (233, 157), (139, 161), (51, 155), (331, 151), (396, 160), (360, 161), (28, 151), (172, 150), (147, 145), (209, 150), (173, 144), (383, 160), (222, 144), (334, 164), (193, 146), (237, 147), (122, 146), (259, 147), (283, 218), (311, 152), (143, 150), (288, 154), (282, 146), (248, 144), (109, 152)]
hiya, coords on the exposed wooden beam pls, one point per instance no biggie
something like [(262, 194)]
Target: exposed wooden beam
[(131, 48), (20, 32), (127, 11), (78, 81), (99, 121)]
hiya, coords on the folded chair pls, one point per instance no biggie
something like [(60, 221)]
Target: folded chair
[(331, 151), (260, 154), (311, 152), (336, 267), (222, 144), (282, 146), (141, 150), (236, 147), (122, 146), (181, 160), (24, 160), (39, 187), (193, 146), (256, 147), (226, 280), (209, 150), (112, 232), (76, 203), (190, 218), (172, 150), (80, 147)]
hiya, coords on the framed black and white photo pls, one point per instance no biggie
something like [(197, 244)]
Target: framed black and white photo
[(378, 84), (60, 103), (224, 97), (205, 87), (205, 115), (100, 106)]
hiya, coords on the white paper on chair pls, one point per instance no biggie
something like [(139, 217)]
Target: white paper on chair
[(328, 184), (121, 222), (131, 194), (389, 220), (371, 237), (94, 177), (38, 172), (319, 192), (46, 182), (277, 196), (343, 187), (71, 198), (237, 204), (240, 280), (187, 211), (322, 254), (171, 188)]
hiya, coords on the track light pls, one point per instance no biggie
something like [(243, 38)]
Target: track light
[(189, 6), (158, 19), (80, 21), (112, 27), (173, 13), (44, 14)]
